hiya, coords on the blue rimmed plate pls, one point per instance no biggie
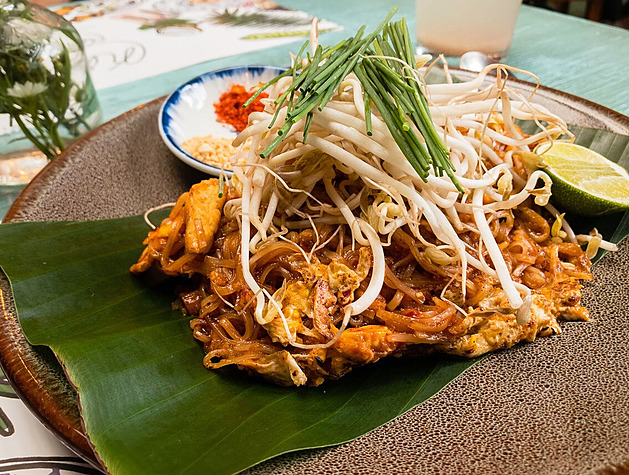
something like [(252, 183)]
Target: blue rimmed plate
[(189, 111)]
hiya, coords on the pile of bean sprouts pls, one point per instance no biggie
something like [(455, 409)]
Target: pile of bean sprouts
[(476, 120)]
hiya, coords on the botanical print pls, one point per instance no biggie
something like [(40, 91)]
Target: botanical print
[(26, 447), (127, 40), (6, 425)]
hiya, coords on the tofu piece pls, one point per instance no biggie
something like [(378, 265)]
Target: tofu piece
[(203, 214)]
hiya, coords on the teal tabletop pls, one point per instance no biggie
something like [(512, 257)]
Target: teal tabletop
[(580, 57)]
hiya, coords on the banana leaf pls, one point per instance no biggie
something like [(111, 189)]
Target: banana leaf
[(148, 404)]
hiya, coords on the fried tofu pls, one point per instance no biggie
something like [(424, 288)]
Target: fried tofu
[(195, 220), (203, 214)]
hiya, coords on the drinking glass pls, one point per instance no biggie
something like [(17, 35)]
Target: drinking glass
[(480, 29)]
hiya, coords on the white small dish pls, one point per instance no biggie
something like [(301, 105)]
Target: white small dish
[(189, 110)]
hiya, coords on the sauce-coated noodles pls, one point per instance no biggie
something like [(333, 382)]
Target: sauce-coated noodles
[(417, 305)]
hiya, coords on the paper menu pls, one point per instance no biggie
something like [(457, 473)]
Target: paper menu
[(128, 40)]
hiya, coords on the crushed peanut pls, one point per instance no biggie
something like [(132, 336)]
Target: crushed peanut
[(212, 150)]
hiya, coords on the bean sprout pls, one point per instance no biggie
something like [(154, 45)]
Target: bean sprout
[(476, 120)]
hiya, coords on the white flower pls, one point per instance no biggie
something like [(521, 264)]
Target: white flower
[(26, 90), (20, 32), (10, 6)]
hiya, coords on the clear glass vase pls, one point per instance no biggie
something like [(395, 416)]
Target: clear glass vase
[(47, 98)]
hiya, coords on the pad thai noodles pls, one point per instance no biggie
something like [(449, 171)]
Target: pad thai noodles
[(334, 245)]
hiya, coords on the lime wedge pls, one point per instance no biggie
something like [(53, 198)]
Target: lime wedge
[(584, 182)]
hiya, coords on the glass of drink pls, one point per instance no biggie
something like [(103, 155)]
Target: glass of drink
[(480, 28)]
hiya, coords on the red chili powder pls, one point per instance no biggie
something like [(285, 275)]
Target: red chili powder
[(229, 108)]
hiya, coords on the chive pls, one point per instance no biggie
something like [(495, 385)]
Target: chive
[(267, 85), (285, 128), (336, 76), (367, 102), (302, 109), (396, 42), (290, 89), (221, 184), (415, 150), (301, 50), (397, 93), (419, 110), (377, 47), (388, 50), (392, 75), (389, 119), (267, 151), (307, 125), (314, 64), (398, 98), (333, 49), (332, 77), (276, 113), (339, 75), (421, 150), (407, 44), (291, 101), (334, 63), (405, 125), (295, 82)]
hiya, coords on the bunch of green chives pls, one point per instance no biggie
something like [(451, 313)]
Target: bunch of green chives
[(386, 82), (397, 94)]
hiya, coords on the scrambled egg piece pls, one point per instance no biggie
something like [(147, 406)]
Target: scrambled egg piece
[(295, 301), (493, 325), (279, 367), (315, 298)]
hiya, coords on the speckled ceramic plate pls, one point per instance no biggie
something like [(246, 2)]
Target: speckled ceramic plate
[(189, 111), (558, 405)]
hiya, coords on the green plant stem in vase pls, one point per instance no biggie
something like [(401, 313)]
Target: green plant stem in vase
[(45, 88)]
